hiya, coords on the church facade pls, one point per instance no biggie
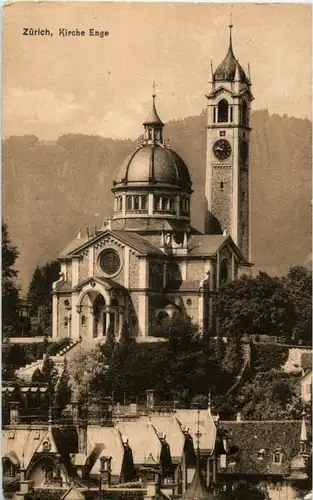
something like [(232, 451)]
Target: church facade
[(148, 263)]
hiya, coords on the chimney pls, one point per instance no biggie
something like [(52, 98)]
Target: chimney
[(25, 486), (80, 422), (14, 413), (105, 471)]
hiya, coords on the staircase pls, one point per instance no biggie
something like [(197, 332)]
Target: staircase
[(26, 372)]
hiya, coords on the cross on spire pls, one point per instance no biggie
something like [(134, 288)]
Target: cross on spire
[(231, 26), (153, 89), (198, 435)]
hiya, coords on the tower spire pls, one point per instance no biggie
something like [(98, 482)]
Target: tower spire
[(230, 29), (153, 125)]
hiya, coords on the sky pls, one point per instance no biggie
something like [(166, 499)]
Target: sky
[(90, 85)]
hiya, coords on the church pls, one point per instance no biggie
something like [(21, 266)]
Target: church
[(148, 263)]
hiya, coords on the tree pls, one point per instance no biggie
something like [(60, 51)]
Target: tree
[(243, 491), (86, 370), (181, 333), (233, 358), (39, 294), (298, 285), (10, 294), (110, 340), (63, 390), (50, 374), (258, 305), (125, 338)]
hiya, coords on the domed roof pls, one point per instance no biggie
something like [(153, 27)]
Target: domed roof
[(226, 71), (154, 164)]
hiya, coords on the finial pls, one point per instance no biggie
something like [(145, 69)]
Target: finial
[(231, 26), (87, 231), (78, 235), (153, 89), (249, 74), (212, 72)]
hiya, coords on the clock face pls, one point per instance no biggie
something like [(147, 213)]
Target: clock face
[(244, 149), (222, 149)]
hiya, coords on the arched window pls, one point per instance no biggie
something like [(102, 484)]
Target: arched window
[(244, 114), (129, 202), (172, 204), (224, 271), (165, 204), (222, 185), (136, 203), (157, 203), (65, 322), (150, 133), (120, 203), (83, 320), (223, 111), (277, 457), (214, 114), (144, 202)]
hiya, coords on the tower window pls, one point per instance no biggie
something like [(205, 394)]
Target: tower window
[(230, 114), (165, 203), (83, 320), (150, 133), (244, 114), (222, 133), (214, 115), (222, 185), (223, 111), (136, 203), (144, 202), (129, 202), (157, 203), (172, 204)]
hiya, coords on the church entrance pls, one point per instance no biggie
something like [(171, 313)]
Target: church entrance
[(98, 314)]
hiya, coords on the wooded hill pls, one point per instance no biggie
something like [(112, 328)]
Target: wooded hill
[(50, 190)]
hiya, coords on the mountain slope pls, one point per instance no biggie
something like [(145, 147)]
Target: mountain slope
[(50, 190)]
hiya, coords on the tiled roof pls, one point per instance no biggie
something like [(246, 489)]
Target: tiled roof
[(132, 239), (23, 442), (207, 244), (189, 420), (247, 439), (105, 441), (172, 432), (142, 439)]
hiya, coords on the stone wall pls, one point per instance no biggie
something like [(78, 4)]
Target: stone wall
[(133, 270)]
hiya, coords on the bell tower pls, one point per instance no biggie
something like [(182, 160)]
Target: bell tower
[(227, 162)]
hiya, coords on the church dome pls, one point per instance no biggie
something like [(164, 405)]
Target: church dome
[(153, 163)]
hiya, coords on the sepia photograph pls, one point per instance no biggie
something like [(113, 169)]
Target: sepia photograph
[(156, 251)]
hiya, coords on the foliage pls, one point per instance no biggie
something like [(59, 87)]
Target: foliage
[(39, 294), (298, 284), (10, 295), (266, 357), (125, 338), (110, 340), (63, 390), (243, 491), (50, 374), (258, 305), (267, 396), (233, 358), (85, 370)]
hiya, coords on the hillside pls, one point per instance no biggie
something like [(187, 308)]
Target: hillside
[(50, 190)]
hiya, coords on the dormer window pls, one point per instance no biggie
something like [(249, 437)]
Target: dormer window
[(277, 457)]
